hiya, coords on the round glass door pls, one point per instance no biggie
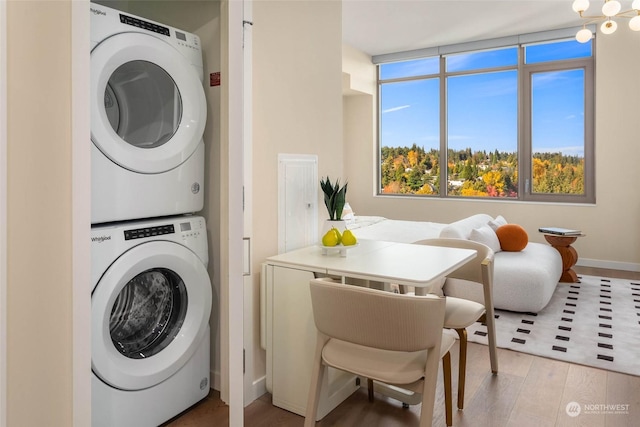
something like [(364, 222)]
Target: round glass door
[(143, 104), (148, 109), (148, 313)]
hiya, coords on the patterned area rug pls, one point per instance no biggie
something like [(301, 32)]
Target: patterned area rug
[(595, 322)]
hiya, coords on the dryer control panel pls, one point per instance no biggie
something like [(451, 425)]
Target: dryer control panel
[(145, 25)]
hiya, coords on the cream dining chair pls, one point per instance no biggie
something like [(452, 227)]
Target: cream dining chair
[(469, 292), (392, 338)]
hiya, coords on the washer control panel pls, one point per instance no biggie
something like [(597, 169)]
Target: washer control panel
[(186, 229), (191, 229), (139, 233)]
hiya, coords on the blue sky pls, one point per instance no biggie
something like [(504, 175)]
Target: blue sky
[(482, 108)]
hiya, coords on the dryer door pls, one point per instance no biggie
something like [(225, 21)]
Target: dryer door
[(148, 109), (149, 313)]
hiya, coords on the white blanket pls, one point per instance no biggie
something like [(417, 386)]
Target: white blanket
[(392, 230)]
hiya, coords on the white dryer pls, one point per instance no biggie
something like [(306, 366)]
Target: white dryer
[(150, 308), (148, 113)]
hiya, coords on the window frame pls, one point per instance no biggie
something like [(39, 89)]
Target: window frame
[(525, 149), (524, 124)]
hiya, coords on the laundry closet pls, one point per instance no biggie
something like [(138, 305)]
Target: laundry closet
[(155, 208), (297, 108)]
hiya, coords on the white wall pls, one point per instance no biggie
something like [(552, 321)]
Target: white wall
[(611, 224), (40, 375), (297, 109)]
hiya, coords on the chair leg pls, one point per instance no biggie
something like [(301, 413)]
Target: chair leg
[(314, 396), (462, 366), (429, 383), (490, 321), (316, 383), (370, 389), (448, 404)]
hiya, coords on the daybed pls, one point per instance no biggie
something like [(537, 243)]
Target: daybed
[(523, 280)]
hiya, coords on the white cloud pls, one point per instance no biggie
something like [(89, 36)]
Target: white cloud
[(389, 110)]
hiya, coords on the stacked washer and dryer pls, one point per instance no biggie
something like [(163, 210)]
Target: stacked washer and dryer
[(150, 290)]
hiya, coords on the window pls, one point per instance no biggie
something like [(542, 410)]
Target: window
[(512, 122)]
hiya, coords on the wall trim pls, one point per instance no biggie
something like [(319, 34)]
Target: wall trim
[(611, 265), (81, 212), (257, 389), (3, 213)]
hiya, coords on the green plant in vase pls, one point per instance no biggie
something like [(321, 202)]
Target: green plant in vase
[(334, 197)]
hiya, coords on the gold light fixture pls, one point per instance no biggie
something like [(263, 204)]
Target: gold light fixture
[(610, 9)]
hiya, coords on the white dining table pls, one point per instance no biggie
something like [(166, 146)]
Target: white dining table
[(287, 330), (420, 266)]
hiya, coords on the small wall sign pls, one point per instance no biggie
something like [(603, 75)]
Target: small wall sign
[(214, 79)]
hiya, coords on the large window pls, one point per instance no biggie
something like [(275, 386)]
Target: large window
[(514, 123)]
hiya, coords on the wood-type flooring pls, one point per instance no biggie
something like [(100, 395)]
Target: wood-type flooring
[(527, 391)]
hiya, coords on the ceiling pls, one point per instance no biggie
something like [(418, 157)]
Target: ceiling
[(385, 26)]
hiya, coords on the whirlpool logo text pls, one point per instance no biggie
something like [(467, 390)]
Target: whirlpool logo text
[(98, 12), (100, 239)]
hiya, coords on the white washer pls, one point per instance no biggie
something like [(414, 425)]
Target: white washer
[(148, 113), (150, 308)]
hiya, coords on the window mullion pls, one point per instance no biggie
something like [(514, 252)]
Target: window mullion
[(443, 129), (524, 129)]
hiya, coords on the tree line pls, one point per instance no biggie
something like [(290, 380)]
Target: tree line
[(413, 170)]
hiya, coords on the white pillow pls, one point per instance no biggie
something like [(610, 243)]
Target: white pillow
[(347, 213), (486, 236), (497, 223)]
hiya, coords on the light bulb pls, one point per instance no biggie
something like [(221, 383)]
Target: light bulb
[(634, 24), (608, 27), (635, 5), (611, 7), (581, 5), (584, 35)]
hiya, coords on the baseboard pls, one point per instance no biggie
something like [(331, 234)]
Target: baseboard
[(257, 389), (612, 265), (216, 380)]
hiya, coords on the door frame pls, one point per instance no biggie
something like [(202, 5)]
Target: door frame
[(233, 316), (3, 213), (81, 211)]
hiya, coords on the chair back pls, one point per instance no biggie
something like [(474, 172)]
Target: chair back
[(472, 270), (479, 271), (375, 318)]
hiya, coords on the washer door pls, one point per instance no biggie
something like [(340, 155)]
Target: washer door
[(149, 313), (148, 108)]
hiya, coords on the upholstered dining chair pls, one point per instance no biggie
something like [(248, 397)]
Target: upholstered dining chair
[(392, 338), (469, 292)]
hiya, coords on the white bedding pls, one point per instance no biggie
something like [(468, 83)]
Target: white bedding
[(392, 230)]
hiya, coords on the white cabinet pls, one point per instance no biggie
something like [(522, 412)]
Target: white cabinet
[(288, 335)]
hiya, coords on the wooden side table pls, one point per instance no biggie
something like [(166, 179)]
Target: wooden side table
[(567, 252)]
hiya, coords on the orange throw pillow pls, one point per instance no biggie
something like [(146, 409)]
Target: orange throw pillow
[(512, 237)]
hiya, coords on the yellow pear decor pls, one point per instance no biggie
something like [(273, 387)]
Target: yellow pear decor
[(348, 239), (331, 237)]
